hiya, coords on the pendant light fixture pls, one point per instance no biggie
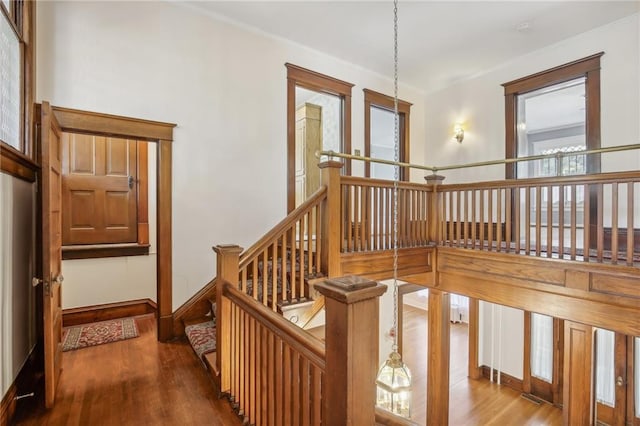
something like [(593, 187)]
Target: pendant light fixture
[(394, 377)]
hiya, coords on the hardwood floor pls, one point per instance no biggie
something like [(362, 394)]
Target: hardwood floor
[(133, 382), (472, 402)]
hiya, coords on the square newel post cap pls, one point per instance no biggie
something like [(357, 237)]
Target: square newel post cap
[(227, 249), (331, 164), (434, 179), (350, 289)]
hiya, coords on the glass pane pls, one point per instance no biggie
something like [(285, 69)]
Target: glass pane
[(636, 380), (382, 142), (605, 368), (542, 347), (318, 128), (551, 120), (9, 84)]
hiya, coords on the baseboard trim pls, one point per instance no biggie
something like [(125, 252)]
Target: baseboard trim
[(107, 311), (8, 405), (505, 379)]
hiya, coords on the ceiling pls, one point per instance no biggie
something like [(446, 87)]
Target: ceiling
[(439, 41)]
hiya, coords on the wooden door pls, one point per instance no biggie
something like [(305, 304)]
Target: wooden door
[(614, 412), (50, 191)]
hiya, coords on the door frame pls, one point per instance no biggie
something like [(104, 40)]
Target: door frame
[(72, 120)]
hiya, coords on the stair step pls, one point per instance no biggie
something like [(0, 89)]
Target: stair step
[(202, 337)]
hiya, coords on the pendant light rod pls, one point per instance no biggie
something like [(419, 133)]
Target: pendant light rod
[(396, 175)]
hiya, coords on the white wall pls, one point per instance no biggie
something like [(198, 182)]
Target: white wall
[(223, 85), (479, 102), (90, 282), (17, 267)]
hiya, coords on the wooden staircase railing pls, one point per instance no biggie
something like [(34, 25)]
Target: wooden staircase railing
[(367, 214), (275, 268), (275, 373), (588, 218)]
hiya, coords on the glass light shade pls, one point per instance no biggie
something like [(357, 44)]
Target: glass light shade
[(394, 386)]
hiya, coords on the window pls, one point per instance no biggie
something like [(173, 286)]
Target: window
[(318, 118), (17, 157), (379, 140)]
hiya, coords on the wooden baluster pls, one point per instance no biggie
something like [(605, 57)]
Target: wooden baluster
[(367, 218), (574, 224), (243, 280), (316, 396), (296, 389), (228, 260), (630, 226), (538, 220), (318, 233), (263, 390), (286, 384), (508, 217), (310, 248), (490, 219), (258, 373), (481, 218), (241, 361), (527, 220), (301, 253), (357, 218), (390, 198), (247, 366), (587, 223), (517, 221), (458, 217), (265, 276), (252, 370), (255, 280), (549, 190), (271, 379), (614, 223), (352, 314), (600, 223), (474, 222), (283, 273), (293, 262), (561, 221), (465, 219), (499, 219), (435, 214), (275, 276), (374, 220), (279, 385), (305, 395)]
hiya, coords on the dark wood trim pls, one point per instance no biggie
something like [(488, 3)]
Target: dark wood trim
[(72, 120), (505, 379), (104, 250), (107, 311), (162, 134), (164, 233), (8, 405), (380, 100), (554, 75), (298, 76), (474, 371), (16, 164), (526, 358), (28, 380)]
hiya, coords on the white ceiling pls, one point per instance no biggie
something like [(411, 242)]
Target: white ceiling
[(439, 41)]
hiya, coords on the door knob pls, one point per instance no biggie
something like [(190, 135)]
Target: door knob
[(59, 279), (619, 381), (35, 281), (130, 180)]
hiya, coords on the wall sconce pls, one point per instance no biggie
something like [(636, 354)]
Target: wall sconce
[(458, 132)]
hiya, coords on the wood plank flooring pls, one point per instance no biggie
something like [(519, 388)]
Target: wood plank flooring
[(472, 402), (133, 382)]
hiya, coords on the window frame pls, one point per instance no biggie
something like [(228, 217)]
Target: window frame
[(312, 80), (20, 162), (589, 68), (382, 101)]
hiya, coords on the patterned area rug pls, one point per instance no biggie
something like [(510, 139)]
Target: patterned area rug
[(97, 333), (202, 337)]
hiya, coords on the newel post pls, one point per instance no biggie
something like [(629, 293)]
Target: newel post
[(351, 345), (435, 208), (227, 272), (330, 210)]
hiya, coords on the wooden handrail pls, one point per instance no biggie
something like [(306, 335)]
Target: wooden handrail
[(382, 183), (263, 243), (611, 177), (306, 344)]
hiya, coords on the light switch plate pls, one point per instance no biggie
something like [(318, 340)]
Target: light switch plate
[(356, 152)]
